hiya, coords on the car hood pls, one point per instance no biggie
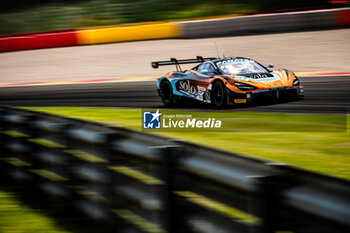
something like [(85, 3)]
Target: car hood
[(276, 78)]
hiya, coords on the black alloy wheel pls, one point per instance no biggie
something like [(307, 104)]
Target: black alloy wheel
[(219, 95)]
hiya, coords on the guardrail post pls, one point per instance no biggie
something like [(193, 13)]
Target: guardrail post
[(90, 155), (170, 155), (266, 194), (269, 189)]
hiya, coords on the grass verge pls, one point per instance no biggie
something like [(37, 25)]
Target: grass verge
[(18, 218), (316, 149)]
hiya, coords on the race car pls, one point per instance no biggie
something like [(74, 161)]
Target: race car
[(223, 81)]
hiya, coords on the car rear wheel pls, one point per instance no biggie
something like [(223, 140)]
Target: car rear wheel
[(218, 95), (166, 93)]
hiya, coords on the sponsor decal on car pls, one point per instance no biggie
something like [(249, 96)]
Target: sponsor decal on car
[(256, 77), (240, 101), (195, 91), (220, 63)]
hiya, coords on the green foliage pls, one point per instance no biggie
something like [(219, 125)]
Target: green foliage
[(61, 14)]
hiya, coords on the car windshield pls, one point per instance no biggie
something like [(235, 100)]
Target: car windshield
[(240, 66)]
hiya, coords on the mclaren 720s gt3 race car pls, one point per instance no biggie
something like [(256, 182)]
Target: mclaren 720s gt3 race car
[(222, 81)]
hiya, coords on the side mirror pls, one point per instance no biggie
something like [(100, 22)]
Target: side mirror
[(204, 71), (271, 66)]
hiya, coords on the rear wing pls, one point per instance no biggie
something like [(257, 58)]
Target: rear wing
[(174, 61)]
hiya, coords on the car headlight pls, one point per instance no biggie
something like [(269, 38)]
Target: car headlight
[(244, 86), (296, 81)]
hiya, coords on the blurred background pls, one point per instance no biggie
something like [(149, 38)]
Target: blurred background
[(28, 16)]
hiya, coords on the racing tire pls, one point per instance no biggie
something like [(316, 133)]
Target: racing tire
[(218, 95), (166, 93)]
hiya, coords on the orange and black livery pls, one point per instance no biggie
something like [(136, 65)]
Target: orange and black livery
[(222, 81)]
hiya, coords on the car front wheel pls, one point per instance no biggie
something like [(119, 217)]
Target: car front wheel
[(218, 95)]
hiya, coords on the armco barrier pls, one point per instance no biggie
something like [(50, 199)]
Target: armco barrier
[(265, 23), (128, 33), (128, 181), (253, 24), (342, 18), (38, 41)]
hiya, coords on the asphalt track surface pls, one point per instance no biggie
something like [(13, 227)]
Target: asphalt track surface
[(322, 95), (314, 51)]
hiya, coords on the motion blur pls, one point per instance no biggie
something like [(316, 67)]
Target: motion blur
[(76, 81)]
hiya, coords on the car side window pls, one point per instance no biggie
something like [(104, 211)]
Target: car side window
[(208, 67), (211, 69), (202, 67)]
